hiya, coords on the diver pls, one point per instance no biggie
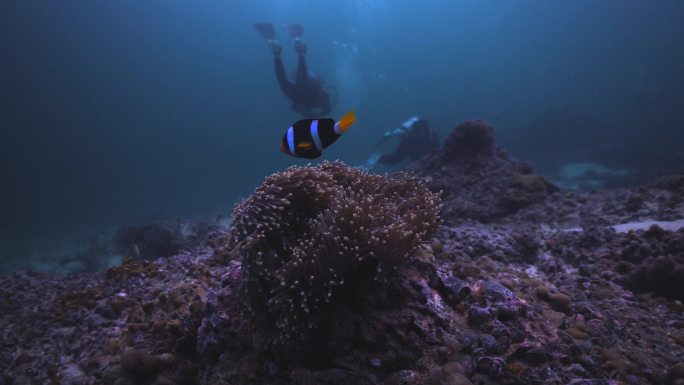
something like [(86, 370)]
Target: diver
[(416, 138), (307, 93)]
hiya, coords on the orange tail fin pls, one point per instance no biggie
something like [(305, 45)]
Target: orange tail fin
[(347, 120)]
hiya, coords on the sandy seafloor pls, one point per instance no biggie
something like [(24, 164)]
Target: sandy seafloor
[(523, 283)]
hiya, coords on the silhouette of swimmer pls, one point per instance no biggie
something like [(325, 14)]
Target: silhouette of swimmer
[(307, 94), (416, 138)]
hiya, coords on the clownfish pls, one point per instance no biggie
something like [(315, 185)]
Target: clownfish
[(308, 137)]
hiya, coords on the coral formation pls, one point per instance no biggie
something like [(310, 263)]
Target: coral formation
[(470, 139), (479, 179), (307, 230)]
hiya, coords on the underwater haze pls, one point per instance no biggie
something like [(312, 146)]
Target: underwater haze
[(125, 112)]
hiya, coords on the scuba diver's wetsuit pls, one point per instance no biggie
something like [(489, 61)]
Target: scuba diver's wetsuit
[(307, 94), (416, 139)]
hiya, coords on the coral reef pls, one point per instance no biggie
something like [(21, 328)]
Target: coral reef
[(558, 287), (307, 230), (470, 139), (480, 180)]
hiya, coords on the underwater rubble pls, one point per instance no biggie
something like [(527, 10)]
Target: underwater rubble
[(521, 283), (98, 250), (161, 238)]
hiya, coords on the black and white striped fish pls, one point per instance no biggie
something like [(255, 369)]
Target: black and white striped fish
[(308, 137)]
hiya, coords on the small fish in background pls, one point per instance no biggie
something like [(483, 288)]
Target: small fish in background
[(308, 137)]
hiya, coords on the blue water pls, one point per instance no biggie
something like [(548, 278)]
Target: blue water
[(115, 112)]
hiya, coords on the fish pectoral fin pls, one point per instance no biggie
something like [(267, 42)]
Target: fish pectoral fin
[(305, 145)]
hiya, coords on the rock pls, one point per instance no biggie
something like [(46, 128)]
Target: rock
[(507, 310), (375, 362), (491, 185), (524, 190), (470, 139), (488, 342), (558, 301), (111, 374), (457, 287), (479, 315), (576, 370), (453, 367), (655, 231), (468, 342), (434, 376), (578, 330), (139, 365), (457, 379), (661, 275), (468, 364), (612, 361), (404, 377), (532, 354), (164, 380), (675, 375), (160, 238), (502, 344), (496, 292), (555, 318), (73, 375)]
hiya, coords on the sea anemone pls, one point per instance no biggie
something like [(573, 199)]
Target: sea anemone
[(305, 230)]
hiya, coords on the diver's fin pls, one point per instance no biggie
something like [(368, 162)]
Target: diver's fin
[(373, 160), (347, 120), (266, 30), (295, 30)]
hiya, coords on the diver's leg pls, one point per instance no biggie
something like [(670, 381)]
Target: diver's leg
[(302, 72), (373, 160), (300, 46), (285, 85), (275, 47)]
